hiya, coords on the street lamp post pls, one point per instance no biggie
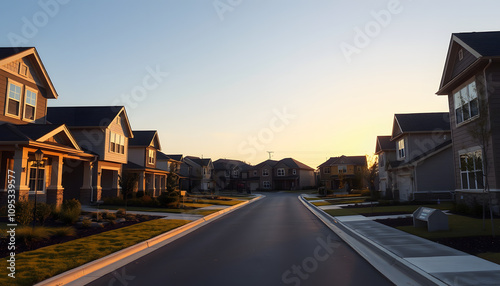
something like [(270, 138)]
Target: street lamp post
[(38, 160)]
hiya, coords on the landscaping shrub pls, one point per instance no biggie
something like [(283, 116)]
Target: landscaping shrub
[(139, 194), (24, 212), (169, 199), (121, 213), (365, 193), (70, 211), (63, 231), (114, 201), (110, 216), (30, 235), (97, 216), (86, 223), (43, 212)]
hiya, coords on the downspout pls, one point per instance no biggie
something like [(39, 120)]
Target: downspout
[(483, 149)]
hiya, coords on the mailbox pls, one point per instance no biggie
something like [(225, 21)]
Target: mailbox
[(434, 219)]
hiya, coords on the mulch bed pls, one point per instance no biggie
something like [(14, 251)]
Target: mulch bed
[(471, 245), (80, 232)]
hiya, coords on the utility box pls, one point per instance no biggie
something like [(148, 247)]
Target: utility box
[(434, 219)]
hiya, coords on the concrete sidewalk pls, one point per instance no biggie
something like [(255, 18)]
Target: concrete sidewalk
[(432, 263), (184, 216)]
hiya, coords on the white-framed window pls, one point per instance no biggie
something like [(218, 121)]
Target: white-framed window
[(280, 172), (151, 158), (39, 180), (265, 172), (294, 172), (326, 170), (235, 173), (401, 149), (471, 170), (466, 103), (13, 102), (342, 169), (266, 185), (116, 143), (30, 104)]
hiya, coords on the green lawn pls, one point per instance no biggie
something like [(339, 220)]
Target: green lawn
[(384, 209), (40, 264), (219, 202), (320, 203)]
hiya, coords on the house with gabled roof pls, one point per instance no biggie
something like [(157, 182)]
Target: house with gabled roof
[(261, 175), (198, 174), (343, 172), (290, 174), (101, 130), (470, 80), (230, 175), (142, 160), (385, 150), (423, 164), (24, 131)]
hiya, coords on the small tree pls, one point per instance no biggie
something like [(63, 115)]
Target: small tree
[(173, 179), (127, 184)]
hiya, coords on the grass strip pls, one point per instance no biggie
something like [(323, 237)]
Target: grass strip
[(385, 209), (40, 264)]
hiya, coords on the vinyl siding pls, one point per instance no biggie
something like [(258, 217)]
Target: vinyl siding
[(41, 100)]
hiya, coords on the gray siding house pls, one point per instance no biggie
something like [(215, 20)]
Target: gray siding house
[(471, 81)]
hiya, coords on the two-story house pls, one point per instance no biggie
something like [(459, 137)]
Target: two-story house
[(290, 174), (171, 164), (198, 174), (470, 80), (386, 151), (343, 172), (285, 174), (142, 154), (230, 174), (423, 162), (25, 88), (101, 130)]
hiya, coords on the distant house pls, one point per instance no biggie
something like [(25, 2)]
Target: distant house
[(143, 150), (25, 90), (171, 164), (101, 130), (386, 151), (344, 172), (230, 175), (286, 174), (290, 174), (198, 174), (261, 175), (424, 162), (470, 81)]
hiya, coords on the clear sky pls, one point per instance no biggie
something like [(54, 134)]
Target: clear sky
[(236, 78)]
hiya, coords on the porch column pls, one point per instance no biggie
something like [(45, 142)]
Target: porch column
[(55, 189), (97, 186), (153, 193), (86, 189), (142, 183), (20, 173)]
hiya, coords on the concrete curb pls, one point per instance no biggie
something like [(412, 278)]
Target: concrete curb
[(150, 244), (395, 268)]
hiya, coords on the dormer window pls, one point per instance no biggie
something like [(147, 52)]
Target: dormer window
[(14, 99)]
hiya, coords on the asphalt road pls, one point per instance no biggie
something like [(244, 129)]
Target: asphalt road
[(274, 241)]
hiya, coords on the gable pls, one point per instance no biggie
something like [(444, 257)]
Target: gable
[(459, 58), (396, 128), (16, 60)]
